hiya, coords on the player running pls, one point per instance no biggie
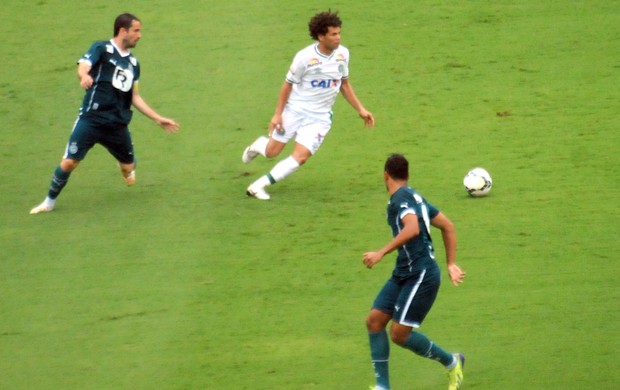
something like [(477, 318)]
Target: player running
[(304, 108), (407, 297)]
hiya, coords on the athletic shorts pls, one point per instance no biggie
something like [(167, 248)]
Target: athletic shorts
[(86, 133), (308, 130), (409, 300)]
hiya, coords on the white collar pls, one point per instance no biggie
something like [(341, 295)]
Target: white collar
[(122, 53)]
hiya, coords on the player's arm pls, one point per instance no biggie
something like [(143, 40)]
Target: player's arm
[(448, 234), (349, 94), (285, 93), (408, 232), (86, 81), (170, 125)]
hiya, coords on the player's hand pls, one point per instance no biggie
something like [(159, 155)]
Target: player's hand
[(456, 274), (371, 258), (170, 125), (86, 81), (369, 119), (276, 124)]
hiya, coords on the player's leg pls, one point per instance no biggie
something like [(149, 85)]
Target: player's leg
[(271, 147), (278, 138), (380, 315), (413, 304), (120, 145), (310, 136), (80, 142), (379, 347), (257, 147), (265, 146), (281, 170), (128, 171)]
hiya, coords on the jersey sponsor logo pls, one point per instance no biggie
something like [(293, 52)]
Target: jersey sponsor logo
[(122, 79), (325, 83), (313, 62)]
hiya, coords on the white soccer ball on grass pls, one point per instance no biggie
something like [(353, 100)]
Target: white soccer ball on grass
[(478, 182)]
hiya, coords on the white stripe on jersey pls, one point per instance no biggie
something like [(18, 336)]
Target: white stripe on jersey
[(316, 78)]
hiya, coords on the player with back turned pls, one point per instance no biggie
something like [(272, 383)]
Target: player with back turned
[(408, 295)]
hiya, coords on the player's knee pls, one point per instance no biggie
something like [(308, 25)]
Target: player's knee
[(68, 164), (273, 148), (269, 153), (372, 325), (399, 335), (302, 160), (301, 154), (376, 323)]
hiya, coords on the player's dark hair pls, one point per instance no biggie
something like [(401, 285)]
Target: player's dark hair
[(397, 167), (124, 21), (320, 23)]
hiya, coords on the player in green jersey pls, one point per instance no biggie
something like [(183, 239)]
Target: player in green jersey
[(408, 295), (109, 73)]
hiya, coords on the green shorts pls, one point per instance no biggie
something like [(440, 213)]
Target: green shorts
[(87, 132), (409, 300)]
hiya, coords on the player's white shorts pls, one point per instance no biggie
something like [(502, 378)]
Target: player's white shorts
[(308, 130)]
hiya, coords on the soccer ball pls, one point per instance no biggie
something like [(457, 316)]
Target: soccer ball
[(478, 182)]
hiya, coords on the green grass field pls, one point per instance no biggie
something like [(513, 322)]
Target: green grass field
[(182, 282)]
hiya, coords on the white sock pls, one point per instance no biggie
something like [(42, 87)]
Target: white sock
[(453, 364), (49, 201), (260, 145), (284, 168), (262, 182)]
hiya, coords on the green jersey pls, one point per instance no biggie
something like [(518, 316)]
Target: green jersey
[(114, 75), (417, 253)]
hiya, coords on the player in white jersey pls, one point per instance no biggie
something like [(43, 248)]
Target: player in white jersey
[(317, 75)]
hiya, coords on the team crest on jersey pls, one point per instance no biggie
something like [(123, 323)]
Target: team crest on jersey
[(133, 60), (109, 49)]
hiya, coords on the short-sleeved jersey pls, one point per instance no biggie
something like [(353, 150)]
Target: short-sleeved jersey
[(417, 253), (114, 76), (316, 78)]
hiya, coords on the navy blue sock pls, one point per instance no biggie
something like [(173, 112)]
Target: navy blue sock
[(380, 354), (59, 181), (421, 345)]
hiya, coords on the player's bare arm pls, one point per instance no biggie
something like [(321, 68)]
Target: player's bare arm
[(349, 94), (285, 93), (448, 235), (170, 125), (409, 231)]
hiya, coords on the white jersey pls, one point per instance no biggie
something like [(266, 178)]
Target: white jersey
[(316, 78)]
